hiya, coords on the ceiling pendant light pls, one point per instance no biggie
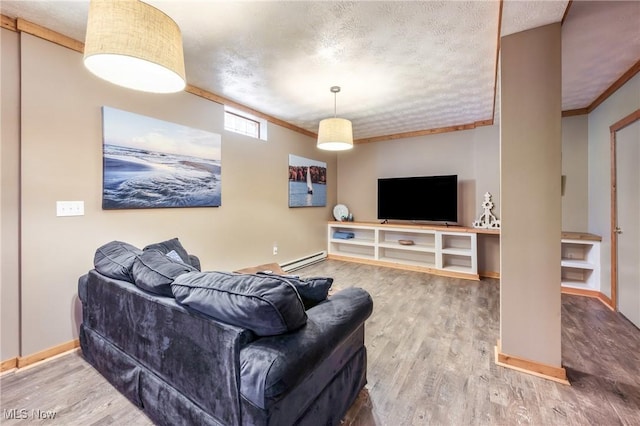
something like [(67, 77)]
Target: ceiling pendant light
[(335, 134), (135, 45)]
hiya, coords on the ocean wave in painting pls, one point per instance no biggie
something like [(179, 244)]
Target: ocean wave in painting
[(135, 178)]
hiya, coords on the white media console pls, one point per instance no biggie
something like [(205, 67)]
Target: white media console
[(442, 250), (452, 250)]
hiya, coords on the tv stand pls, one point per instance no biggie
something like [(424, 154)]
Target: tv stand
[(436, 249)]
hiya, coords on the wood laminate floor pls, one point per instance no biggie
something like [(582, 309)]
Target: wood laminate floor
[(430, 343)]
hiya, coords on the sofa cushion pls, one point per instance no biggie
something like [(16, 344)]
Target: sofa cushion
[(115, 260), (264, 304), (154, 271)]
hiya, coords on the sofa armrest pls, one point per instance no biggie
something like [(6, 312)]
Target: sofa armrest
[(82, 287), (196, 354), (270, 366), (353, 303)]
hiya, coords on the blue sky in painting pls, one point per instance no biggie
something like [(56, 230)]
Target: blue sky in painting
[(138, 131)]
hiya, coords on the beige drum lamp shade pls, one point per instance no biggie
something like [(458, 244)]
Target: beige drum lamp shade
[(134, 45), (335, 134)]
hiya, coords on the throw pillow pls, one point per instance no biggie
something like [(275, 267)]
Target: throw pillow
[(168, 246), (263, 304), (311, 290), (174, 256), (115, 260), (154, 271)]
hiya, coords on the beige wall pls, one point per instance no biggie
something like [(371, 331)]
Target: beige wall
[(530, 171), (62, 160), (622, 103), (487, 169), (447, 153), (66, 119), (575, 164), (10, 196), (473, 155)]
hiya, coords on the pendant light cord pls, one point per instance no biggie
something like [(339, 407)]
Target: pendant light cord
[(335, 90)]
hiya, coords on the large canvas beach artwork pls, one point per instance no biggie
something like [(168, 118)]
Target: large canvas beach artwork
[(151, 163), (307, 182)]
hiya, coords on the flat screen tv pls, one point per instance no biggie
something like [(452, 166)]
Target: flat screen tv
[(419, 198)]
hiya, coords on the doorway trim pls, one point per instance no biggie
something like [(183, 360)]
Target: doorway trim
[(613, 129)]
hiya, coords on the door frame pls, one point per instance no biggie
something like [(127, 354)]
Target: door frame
[(613, 129)]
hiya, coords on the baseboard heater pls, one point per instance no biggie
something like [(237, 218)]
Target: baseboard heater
[(304, 261)]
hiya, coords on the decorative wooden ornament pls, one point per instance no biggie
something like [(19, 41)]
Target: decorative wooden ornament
[(487, 219)]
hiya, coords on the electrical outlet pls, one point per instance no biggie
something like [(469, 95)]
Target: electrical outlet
[(275, 249)]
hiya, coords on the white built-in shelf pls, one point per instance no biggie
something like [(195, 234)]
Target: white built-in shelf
[(580, 262), (416, 247), (443, 250), (452, 251), (459, 252), (577, 264), (353, 241)]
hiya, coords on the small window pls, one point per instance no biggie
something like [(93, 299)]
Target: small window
[(245, 124)]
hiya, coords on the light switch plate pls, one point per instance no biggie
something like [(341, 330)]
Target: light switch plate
[(69, 208)]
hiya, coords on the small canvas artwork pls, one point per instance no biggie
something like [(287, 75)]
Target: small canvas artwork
[(151, 163), (307, 182)]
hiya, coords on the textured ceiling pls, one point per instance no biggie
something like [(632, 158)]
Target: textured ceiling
[(403, 66), (600, 41)]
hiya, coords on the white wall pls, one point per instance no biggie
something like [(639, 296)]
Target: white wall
[(622, 103)]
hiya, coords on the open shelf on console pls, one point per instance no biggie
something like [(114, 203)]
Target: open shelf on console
[(456, 262), (362, 236), (456, 242), (356, 251), (407, 257), (422, 241)]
